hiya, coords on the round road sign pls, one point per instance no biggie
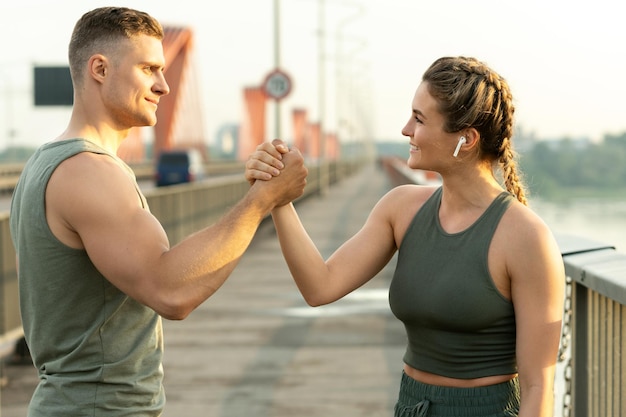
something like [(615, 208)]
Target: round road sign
[(277, 84)]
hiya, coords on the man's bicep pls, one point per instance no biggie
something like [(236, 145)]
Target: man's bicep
[(127, 249), (122, 239)]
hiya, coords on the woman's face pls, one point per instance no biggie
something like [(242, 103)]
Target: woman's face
[(430, 145)]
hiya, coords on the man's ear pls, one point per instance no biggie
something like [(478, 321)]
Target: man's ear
[(98, 65)]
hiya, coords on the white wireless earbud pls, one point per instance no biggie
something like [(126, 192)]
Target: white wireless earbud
[(462, 140)]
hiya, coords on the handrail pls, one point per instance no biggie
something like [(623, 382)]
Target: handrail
[(10, 173)]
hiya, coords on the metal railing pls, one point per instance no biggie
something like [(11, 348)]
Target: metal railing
[(595, 323)]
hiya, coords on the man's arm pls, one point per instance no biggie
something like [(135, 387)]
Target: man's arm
[(93, 204)]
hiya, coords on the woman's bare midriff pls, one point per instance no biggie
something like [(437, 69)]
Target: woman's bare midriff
[(444, 381)]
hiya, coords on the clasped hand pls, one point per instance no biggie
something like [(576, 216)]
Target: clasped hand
[(266, 162), (275, 161)]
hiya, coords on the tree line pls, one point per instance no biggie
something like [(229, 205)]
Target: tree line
[(570, 166)]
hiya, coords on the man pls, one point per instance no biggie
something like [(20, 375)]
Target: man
[(96, 271)]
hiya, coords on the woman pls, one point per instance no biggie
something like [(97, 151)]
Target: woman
[(479, 279)]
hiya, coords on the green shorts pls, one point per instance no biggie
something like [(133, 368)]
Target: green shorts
[(417, 399)]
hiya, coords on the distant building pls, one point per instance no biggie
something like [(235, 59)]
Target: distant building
[(226, 142)]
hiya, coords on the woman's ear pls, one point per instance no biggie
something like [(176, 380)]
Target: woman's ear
[(468, 140), (472, 138)]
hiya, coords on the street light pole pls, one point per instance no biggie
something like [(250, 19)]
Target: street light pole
[(322, 161), (277, 126)]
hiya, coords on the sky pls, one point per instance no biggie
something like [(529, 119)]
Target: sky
[(563, 59)]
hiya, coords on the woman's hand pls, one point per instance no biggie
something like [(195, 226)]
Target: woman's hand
[(266, 162)]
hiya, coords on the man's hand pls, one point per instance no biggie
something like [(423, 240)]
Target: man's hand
[(286, 187), (266, 162)]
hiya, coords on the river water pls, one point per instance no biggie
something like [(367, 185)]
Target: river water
[(599, 219)]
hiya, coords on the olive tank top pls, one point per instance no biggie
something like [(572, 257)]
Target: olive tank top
[(98, 352), (458, 324)]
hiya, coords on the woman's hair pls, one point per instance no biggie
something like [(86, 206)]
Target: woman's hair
[(99, 30), (470, 94)]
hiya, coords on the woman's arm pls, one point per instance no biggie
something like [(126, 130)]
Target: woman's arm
[(350, 266), (353, 264)]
